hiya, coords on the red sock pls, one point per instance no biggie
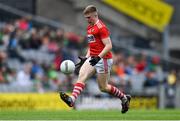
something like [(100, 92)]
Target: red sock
[(116, 92), (78, 88)]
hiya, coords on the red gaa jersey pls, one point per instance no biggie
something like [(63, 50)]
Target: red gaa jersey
[(95, 34)]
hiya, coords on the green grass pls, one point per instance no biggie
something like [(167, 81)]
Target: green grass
[(91, 115)]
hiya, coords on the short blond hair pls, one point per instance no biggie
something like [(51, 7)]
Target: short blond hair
[(90, 9)]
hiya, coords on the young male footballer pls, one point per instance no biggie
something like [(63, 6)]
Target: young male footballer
[(97, 60)]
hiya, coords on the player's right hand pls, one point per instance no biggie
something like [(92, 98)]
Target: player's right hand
[(78, 65)]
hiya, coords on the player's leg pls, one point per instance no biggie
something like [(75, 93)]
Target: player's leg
[(105, 87), (102, 79), (85, 72), (103, 74)]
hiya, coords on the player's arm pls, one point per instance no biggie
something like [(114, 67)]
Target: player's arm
[(88, 53), (107, 48), (81, 62)]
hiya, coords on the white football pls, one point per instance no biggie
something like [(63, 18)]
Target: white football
[(67, 67)]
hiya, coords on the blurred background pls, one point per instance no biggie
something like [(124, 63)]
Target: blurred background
[(37, 35)]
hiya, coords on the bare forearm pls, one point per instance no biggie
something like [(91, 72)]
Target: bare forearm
[(88, 53), (106, 49)]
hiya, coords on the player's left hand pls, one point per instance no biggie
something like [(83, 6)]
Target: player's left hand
[(94, 60)]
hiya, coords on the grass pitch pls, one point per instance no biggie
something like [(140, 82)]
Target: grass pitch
[(98, 115)]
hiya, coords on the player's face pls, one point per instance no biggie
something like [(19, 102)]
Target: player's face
[(90, 18)]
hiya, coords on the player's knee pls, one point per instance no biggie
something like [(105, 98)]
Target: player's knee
[(103, 89)]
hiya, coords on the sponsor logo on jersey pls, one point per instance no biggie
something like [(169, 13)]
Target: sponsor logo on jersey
[(90, 38)]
